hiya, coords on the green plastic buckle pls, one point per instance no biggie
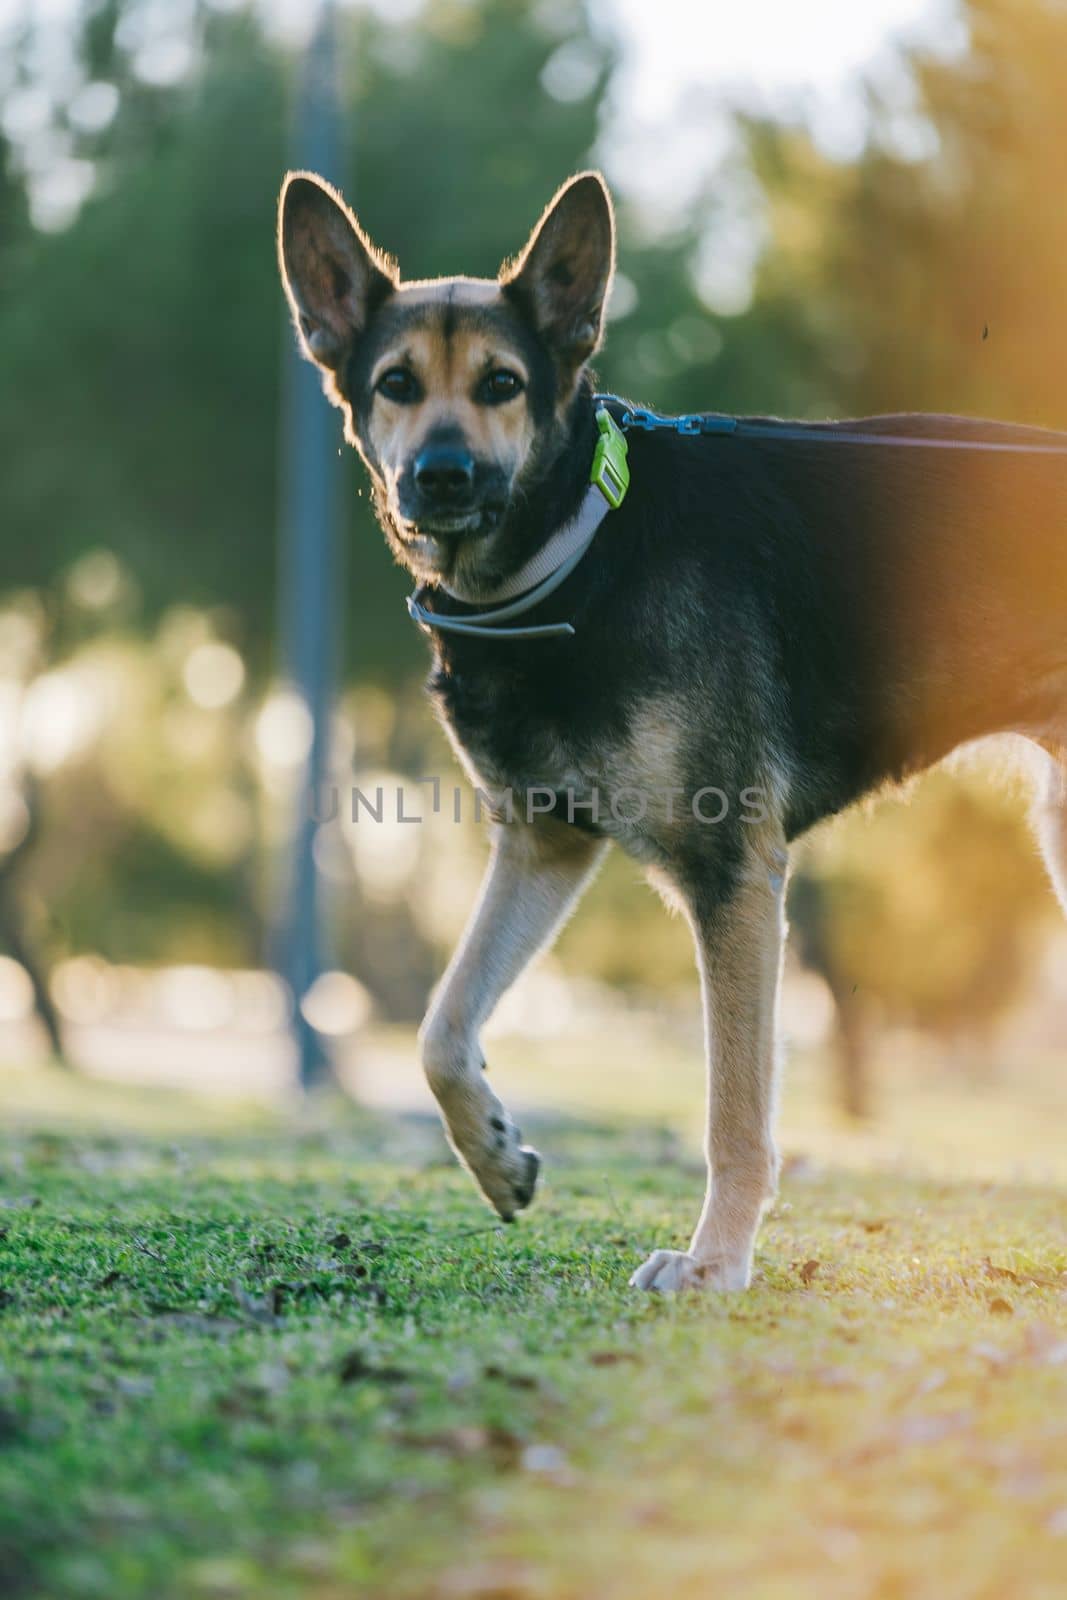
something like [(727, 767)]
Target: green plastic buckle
[(611, 471)]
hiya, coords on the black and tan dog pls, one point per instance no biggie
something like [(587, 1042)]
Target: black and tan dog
[(788, 622)]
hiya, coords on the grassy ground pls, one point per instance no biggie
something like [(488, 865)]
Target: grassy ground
[(239, 1358)]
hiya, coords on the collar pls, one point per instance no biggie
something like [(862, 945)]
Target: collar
[(553, 563)]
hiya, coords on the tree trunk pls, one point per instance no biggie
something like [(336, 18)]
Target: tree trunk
[(853, 1057)]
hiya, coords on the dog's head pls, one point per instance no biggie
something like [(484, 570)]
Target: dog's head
[(455, 391)]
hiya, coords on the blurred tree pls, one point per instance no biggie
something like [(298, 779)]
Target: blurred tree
[(152, 428), (927, 275), (142, 343), (15, 937), (925, 911)]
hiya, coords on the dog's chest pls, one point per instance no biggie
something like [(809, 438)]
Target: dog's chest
[(611, 773)]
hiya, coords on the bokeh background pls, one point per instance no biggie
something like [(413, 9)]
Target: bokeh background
[(824, 210)]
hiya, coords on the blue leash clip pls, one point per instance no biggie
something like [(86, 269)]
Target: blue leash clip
[(692, 423)]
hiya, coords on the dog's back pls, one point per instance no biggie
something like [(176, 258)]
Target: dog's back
[(916, 596)]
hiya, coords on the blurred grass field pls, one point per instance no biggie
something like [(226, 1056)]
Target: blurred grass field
[(248, 1354)]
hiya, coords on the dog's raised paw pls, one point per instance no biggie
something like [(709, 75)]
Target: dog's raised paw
[(671, 1271), (524, 1190), (517, 1191), (509, 1178)]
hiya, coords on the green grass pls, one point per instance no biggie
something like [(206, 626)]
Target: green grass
[(242, 1358)]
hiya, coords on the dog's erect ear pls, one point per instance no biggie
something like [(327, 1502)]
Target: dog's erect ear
[(333, 275), (564, 273)]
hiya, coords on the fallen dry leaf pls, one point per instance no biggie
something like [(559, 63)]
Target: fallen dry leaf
[(1036, 1279)]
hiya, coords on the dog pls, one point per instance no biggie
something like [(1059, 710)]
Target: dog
[(786, 622)]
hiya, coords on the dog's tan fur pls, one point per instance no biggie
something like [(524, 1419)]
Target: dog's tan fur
[(449, 368), (740, 958), (534, 877), (1051, 820)]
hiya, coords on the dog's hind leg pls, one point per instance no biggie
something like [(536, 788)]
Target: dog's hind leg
[(1050, 816), (739, 947), (533, 878)]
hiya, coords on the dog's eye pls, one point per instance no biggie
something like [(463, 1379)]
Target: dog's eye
[(398, 385), (499, 386)]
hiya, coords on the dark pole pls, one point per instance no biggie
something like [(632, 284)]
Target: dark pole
[(309, 569)]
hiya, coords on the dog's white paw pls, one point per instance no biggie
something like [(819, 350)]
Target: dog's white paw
[(670, 1271), (505, 1169)]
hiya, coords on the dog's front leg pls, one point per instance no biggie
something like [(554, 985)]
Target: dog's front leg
[(739, 947), (534, 875)]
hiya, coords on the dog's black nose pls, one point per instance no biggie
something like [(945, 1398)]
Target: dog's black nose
[(444, 474)]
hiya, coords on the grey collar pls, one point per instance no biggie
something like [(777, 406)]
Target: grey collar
[(539, 577)]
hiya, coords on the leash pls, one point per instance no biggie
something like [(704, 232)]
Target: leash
[(609, 479), (712, 422)]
